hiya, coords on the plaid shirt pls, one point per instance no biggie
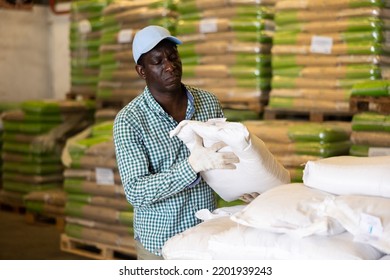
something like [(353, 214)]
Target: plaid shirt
[(158, 181)]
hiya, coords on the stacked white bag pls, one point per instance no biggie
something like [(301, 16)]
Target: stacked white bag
[(350, 175), (286, 222), (362, 186), (341, 211)]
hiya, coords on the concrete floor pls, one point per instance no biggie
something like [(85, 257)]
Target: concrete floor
[(20, 240)]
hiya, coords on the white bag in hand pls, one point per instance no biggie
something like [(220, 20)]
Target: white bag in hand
[(257, 170)]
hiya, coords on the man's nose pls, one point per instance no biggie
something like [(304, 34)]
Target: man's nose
[(168, 65)]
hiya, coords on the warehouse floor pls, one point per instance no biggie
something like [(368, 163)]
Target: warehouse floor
[(20, 240)]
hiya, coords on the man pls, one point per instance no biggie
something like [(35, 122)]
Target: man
[(160, 176)]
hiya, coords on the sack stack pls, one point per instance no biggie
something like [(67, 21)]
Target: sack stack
[(370, 134), (32, 142), (4, 106), (226, 50), (118, 82), (293, 143), (85, 32), (96, 208), (371, 122), (322, 48)]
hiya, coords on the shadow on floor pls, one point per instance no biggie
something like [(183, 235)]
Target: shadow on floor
[(22, 241)]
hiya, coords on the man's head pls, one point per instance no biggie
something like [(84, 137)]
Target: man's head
[(149, 37), (158, 60)]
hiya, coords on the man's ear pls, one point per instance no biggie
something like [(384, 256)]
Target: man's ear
[(140, 71)]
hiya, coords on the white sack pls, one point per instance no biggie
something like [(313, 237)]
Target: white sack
[(366, 217), (293, 208), (247, 243), (344, 175), (257, 170), (192, 244), (221, 238)]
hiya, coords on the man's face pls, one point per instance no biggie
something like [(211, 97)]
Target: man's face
[(162, 68)]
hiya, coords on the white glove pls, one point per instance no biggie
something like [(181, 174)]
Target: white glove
[(203, 159), (187, 134), (248, 197)]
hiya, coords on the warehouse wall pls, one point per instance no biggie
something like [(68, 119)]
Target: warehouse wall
[(34, 54)]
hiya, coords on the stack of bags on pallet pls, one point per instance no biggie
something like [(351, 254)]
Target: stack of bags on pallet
[(293, 143), (370, 134), (85, 32), (371, 129), (226, 49), (322, 48), (4, 106), (32, 142), (96, 208), (118, 81)]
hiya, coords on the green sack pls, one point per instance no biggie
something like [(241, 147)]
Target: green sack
[(370, 121), (311, 132), (359, 150), (371, 88)]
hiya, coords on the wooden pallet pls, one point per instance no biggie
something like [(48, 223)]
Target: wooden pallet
[(12, 207), (370, 103), (96, 250), (17, 6), (309, 115), (36, 218)]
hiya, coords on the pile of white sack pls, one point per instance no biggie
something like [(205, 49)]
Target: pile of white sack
[(340, 211)]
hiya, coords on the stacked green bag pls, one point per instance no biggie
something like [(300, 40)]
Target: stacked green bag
[(85, 31), (322, 50), (371, 129), (96, 208), (227, 50), (118, 82), (4, 106), (379, 88), (293, 143), (47, 203), (370, 134), (33, 138)]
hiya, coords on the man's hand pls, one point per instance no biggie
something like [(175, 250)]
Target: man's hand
[(203, 159)]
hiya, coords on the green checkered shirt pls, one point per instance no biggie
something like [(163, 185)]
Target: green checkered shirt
[(157, 178)]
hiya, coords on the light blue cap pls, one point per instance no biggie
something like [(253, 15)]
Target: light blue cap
[(148, 37)]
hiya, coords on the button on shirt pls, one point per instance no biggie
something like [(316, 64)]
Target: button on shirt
[(158, 181)]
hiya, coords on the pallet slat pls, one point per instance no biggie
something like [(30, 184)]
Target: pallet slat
[(12, 207), (370, 103), (309, 115), (35, 218), (96, 250)]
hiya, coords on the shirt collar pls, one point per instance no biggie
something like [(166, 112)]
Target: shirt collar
[(153, 104)]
